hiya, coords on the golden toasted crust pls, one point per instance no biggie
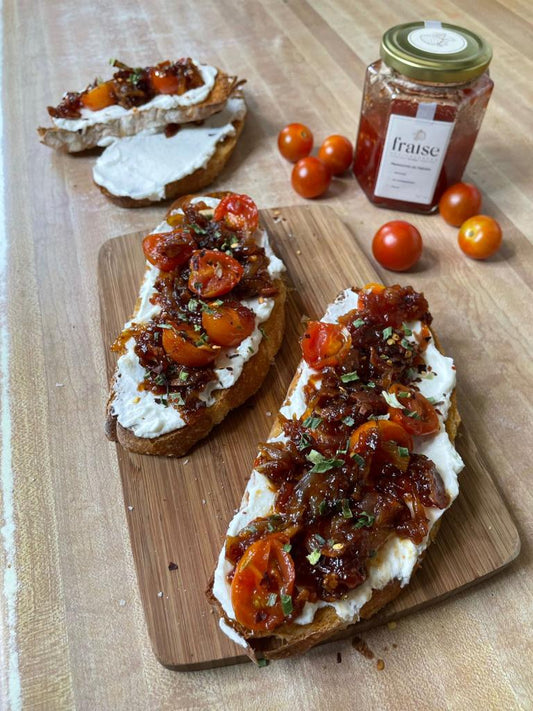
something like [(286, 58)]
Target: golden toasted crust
[(132, 123), (290, 639), (178, 442), (192, 183)]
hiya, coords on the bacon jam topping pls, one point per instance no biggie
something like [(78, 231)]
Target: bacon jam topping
[(130, 87), (206, 268), (346, 476)]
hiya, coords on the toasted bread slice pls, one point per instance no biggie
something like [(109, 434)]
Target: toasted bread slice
[(140, 170), (140, 430), (384, 581), (73, 135)]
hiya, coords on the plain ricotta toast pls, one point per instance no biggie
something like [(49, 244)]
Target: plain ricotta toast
[(347, 493), (208, 321), (135, 100)]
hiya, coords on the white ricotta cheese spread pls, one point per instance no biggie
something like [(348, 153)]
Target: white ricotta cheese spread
[(398, 557), (137, 409), (160, 101), (140, 166)]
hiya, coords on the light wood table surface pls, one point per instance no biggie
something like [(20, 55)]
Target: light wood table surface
[(72, 632)]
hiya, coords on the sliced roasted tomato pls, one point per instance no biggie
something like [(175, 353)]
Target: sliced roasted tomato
[(381, 441), (169, 250), (374, 287), (101, 96), (239, 212), (417, 415), (185, 346), (213, 273), (261, 590), (325, 344), (227, 323)]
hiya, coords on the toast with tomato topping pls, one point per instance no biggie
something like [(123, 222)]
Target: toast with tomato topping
[(348, 492), (135, 100), (208, 322)]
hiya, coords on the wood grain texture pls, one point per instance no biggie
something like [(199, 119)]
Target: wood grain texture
[(74, 633), (178, 509)]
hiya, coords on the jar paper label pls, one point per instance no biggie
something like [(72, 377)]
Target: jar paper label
[(412, 158), (437, 40)]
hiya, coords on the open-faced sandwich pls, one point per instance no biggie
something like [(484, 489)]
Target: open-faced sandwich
[(347, 493), (208, 321)]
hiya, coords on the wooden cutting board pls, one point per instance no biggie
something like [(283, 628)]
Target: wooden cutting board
[(178, 509)]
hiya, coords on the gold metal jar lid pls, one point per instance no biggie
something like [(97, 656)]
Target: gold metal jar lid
[(435, 52)]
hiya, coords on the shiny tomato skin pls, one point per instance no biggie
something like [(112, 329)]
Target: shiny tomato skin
[(239, 212), (423, 420), (181, 344), (310, 177), (337, 153), (397, 245), (228, 324), (378, 441), (264, 573), (295, 141), (100, 97), (459, 202), (480, 237), (164, 81), (213, 273), (325, 344), (169, 250)]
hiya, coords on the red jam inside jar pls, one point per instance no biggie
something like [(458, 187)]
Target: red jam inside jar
[(422, 108)]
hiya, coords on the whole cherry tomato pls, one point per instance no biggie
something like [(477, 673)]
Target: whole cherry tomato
[(213, 273), (98, 98), (378, 441), (480, 237), (169, 250), (185, 346), (239, 212), (325, 344), (397, 245), (228, 323), (459, 202), (263, 584), (337, 153), (417, 415), (310, 177), (295, 141)]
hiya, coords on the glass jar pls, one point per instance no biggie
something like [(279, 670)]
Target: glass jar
[(422, 108)]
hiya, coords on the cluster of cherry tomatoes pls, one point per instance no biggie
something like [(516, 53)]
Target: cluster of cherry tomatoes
[(397, 245), (311, 176)]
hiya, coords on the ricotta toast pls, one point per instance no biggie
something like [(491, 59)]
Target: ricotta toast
[(348, 491)]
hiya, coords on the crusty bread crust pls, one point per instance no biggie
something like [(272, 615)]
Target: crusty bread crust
[(135, 120), (192, 183), (290, 639), (178, 442)]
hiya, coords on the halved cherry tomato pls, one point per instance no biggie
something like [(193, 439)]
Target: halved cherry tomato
[(480, 237), (459, 202), (213, 273), (183, 344), (169, 250), (310, 177), (229, 323), (325, 344), (295, 141), (397, 245), (374, 287), (337, 153), (418, 416), (239, 212), (165, 81), (98, 98), (379, 440), (264, 573)]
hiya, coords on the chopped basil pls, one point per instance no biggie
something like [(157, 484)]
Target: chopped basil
[(314, 556), (346, 510), (287, 547), (391, 400), (364, 519), (304, 442), (406, 329), (160, 380), (404, 393), (199, 230), (197, 327), (405, 343), (348, 377), (359, 322), (262, 662), (183, 375), (312, 422), (321, 464), (263, 333), (272, 599), (359, 459), (250, 349), (387, 333), (322, 507), (193, 303), (345, 450), (403, 451), (370, 384), (286, 604), (349, 420), (412, 414)]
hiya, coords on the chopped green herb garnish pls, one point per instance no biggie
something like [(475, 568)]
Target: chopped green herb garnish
[(391, 400), (321, 464), (322, 507), (359, 459), (250, 349), (286, 604), (202, 340), (312, 422), (199, 230), (404, 393), (183, 375), (193, 303), (346, 510), (348, 377), (432, 400), (412, 414), (263, 333), (272, 599), (160, 380), (405, 343), (364, 519), (403, 451), (370, 384), (387, 333), (304, 442), (197, 286), (345, 450), (262, 662), (287, 547), (197, 327), (406, 329), (314, 556), (359, 322), (349, 421)]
